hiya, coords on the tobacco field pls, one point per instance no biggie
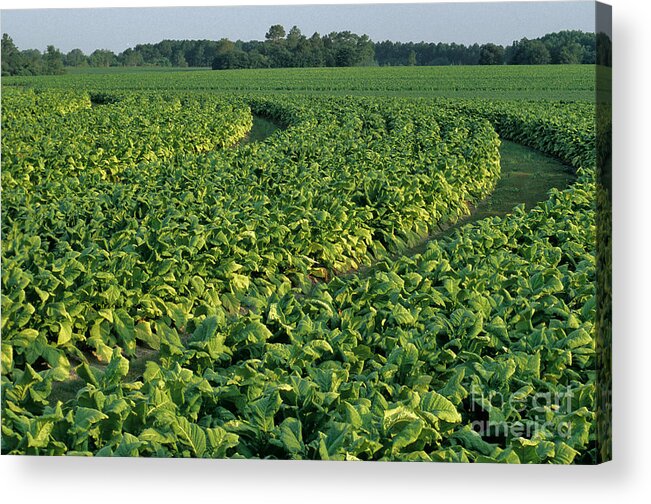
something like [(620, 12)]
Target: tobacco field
[(172, 289)]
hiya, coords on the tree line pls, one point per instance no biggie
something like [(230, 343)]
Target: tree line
[(282, 49)]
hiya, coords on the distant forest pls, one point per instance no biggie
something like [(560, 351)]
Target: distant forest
[(282, 49)]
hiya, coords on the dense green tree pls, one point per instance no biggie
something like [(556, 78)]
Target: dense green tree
[(275, 33), (570, 46), (411, 59), (196, 55), (537, 53), (77, 58), (102, 58), (33, 61), (224, 46), (165, 49), (130, 57), (53, 61), (530, 52), (427, 53), (149, 52), (293, 49), (294, 37), (316, 56), (571, 54), (13, 62), (348, 49), (279, 56), (178, 59), (235, 58), (258, 60), (491, 54), (162, 62)]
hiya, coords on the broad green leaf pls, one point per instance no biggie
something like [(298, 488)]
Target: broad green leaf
[(453, 388), (220, 441), (191, 435), (117, 369), (262, 411), (256, 332), (7, 358), (39, 433), (129, 446), (152, 435), (564, 454), (472, 441), (144, 333), (240, 282), (65, 332), (405, 433), (397, 415), (24, 338), (85, 372), (352, 415), (291, 435), (435, 405), (575, 339), (124, 327), (86, 417), (402, 315)]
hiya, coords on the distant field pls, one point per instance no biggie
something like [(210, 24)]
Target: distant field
[(128, 70), (549, 82)]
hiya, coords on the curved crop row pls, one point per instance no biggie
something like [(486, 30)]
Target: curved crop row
[(48, 135)]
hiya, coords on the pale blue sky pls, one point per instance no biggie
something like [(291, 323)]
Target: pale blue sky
[(466, 23)]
